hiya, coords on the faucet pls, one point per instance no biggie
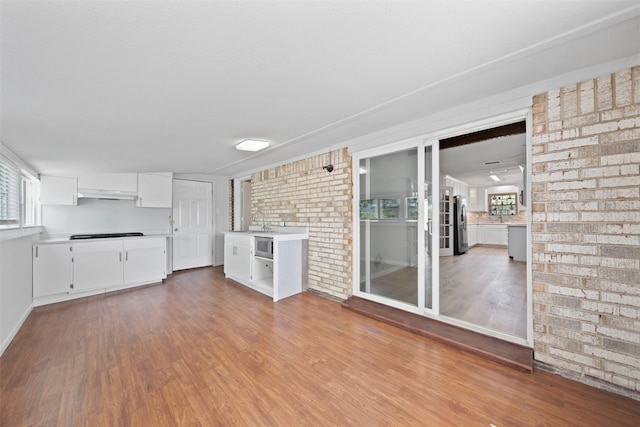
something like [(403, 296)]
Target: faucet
[(259, 213)]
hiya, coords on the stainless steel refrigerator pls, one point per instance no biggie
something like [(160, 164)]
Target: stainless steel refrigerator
[(460, 240)]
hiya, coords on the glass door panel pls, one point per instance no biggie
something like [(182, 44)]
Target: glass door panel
[(389, 215)]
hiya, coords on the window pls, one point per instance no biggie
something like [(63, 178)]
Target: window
[(30, 197), (9, 194), (19, 195)]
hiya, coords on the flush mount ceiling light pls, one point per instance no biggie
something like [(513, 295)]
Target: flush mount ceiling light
[(494, 177), (252, 145)]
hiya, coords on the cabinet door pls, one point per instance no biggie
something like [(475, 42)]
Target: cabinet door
[(144, 260), (52, 269), (504, 236), (496, 235), (155, 190), (238, 257), (472, 235), (55, 190), (97, 265)]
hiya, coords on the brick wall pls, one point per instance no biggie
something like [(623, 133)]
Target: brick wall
[(304, 195), (586, 230)]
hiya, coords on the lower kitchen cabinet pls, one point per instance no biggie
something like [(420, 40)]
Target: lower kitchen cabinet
[(518, 242), (144, 260), (238, 255), (495, 235), (490, 234), (64, 270), (52, 269), (472, 234), (97, 265), (278, 277)]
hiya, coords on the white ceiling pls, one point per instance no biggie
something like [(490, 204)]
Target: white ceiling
[(474, 163), (173, 85)]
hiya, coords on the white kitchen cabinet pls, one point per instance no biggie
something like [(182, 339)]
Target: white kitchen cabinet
[(517, 242), (477, 199), (155, 190), (64, 270), (496, 235), (97, 264), (111, 182), (472, 234), (56, 190), (238, 256), (52, 269), (480, 234), (144, 260), (277, 278)]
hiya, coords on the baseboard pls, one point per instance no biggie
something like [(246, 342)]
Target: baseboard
[(14, 331)]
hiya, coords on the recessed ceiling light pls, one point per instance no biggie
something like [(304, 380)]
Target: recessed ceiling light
[(494, 177), (252, 145)]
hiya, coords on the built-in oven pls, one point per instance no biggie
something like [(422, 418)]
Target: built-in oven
[(264, 247)]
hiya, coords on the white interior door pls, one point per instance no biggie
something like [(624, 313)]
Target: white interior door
[(193, 225)]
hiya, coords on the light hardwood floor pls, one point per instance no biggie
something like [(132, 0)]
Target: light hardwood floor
[(203, 351), (483, 287)]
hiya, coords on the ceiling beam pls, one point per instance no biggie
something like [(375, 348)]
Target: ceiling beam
[(483, 135)]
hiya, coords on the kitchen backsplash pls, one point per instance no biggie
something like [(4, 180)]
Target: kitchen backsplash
[(104, 216), (485, 218)]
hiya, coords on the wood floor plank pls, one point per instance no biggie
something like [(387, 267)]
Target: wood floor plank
[(200, 350)]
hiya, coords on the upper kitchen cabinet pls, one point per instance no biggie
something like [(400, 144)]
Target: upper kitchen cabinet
[(55, 190), (477, 199), (108, 185), (155, 190)]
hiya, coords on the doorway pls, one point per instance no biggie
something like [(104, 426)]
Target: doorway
[(193, 224), (483, 284), (409, 250)]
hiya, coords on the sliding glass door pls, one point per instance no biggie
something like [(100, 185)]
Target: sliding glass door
[(396, 226)]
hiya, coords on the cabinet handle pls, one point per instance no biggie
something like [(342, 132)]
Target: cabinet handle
[(36, 252), (126, 256), (120, 256)]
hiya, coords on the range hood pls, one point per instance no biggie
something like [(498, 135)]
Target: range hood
[(92, 193)]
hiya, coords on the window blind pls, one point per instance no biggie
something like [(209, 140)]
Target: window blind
[(9, 193)]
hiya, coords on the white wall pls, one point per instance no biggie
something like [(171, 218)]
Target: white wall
[(15, 287), (104, 216), (220, 209)]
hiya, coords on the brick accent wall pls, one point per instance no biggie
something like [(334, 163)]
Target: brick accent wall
[(302, 194), (586, 230)]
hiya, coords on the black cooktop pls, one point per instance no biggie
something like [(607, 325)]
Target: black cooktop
[(103, 235)]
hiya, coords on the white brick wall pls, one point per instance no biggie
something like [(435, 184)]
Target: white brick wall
[(586, 230), (304, 195)]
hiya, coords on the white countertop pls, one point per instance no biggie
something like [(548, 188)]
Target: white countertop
[(277, 233), (65, 239)]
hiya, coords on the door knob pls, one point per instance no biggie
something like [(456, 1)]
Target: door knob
[(175, 229)]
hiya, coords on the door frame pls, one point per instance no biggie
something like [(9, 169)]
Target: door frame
[(422, 141), (238, 206)]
